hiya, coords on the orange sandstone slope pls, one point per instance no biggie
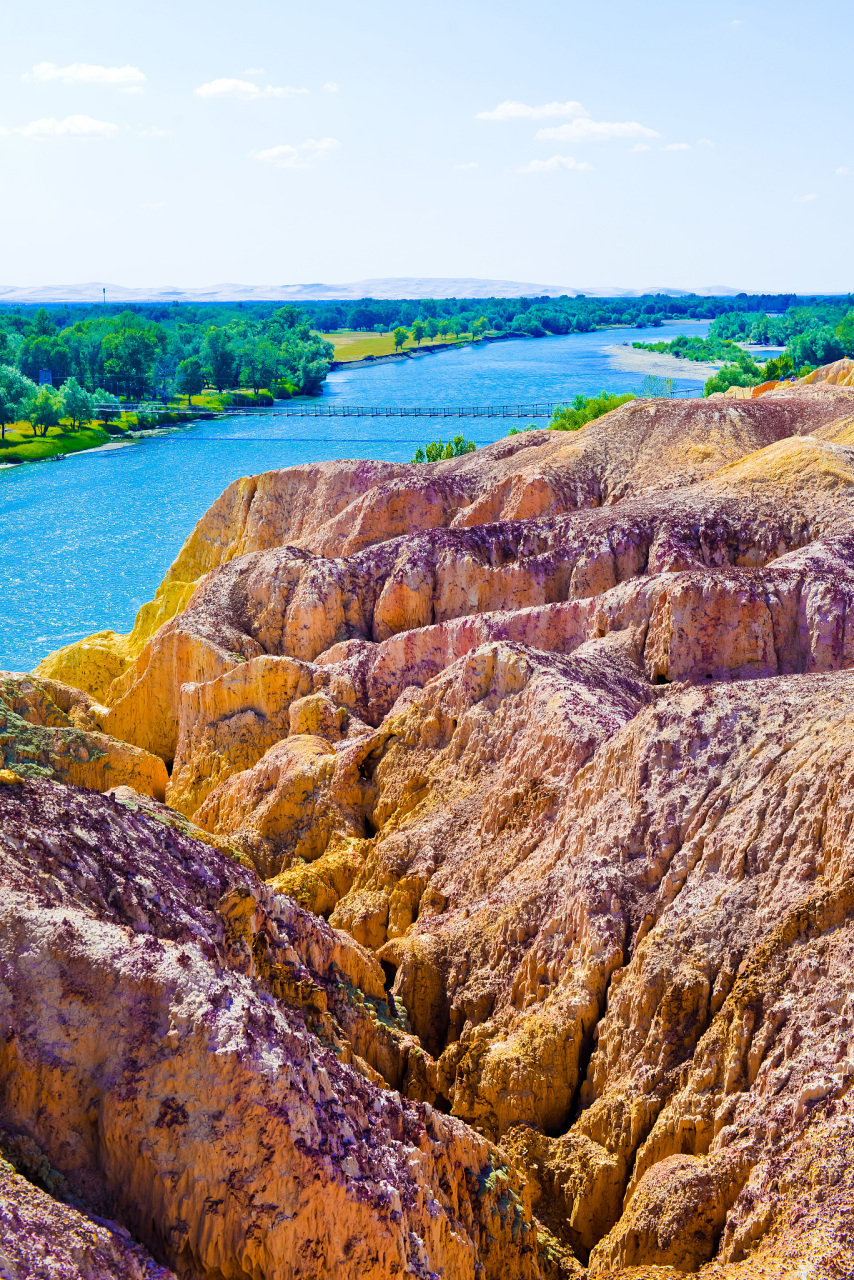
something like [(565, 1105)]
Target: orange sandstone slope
[(557, 738)]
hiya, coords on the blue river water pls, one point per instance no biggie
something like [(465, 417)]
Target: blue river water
[(87, 541)]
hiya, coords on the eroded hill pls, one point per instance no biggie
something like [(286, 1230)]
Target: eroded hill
[(499, 918)]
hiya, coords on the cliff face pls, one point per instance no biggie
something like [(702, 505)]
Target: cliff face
[(544, 756)]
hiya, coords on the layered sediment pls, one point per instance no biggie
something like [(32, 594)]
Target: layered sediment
[(499, 917)]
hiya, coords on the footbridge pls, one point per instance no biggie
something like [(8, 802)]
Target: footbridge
[(306, 409)]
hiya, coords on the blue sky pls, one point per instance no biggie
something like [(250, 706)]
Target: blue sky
[(582, 144)]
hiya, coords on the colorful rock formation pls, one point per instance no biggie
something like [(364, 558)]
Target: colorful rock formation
[(543, 755)]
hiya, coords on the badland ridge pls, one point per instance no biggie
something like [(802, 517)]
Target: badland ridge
[(453, 872)]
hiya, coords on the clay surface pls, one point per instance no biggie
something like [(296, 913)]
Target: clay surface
[(532, 769)]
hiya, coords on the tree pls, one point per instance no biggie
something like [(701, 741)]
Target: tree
[(303, 361), (436, 451), (432, 328), (15, 391), (43, 351), (43, 326), (444, 327), (191, 381), (43, 410), (586, 409), (362, 318), (107, 407), (417, 332), (478, 327), (129, 355), (816, 347), (400, 335), (221, 363), (845, 333), (249, 360), (77, 404)]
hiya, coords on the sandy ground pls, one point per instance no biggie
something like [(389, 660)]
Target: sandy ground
[(103, 448), (658, 363)]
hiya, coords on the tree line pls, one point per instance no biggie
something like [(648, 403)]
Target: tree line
[(141, 355), (538, 316), (811, 336)]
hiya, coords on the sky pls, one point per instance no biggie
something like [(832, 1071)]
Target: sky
[(615, 144)]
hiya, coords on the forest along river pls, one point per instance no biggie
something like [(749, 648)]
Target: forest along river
[(87, 541)]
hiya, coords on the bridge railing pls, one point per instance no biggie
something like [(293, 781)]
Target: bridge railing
[(319, 409)]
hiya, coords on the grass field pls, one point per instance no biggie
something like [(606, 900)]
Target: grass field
[(20, 445), (350, 344)]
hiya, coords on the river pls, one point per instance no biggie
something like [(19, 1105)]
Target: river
[(87, 541)]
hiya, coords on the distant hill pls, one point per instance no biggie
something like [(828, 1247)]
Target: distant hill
[(384, 287)]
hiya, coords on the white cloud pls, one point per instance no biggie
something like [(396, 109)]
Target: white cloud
[(225, 88), (472, 164), (584, 130), (70, 127), (641, 146), (519, 111), (844, 172), (330, 87), (300, 157), (88, 73), (805, 199), (705, 142), (677, 146), (553, 164), (736, 22)]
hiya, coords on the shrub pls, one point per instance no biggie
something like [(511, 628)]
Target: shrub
[(436, 451), (585, 409)]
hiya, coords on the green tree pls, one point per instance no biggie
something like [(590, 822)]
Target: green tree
[(585, 409), (107, 407), (655, 388), (731, 375), (478, 327), (268, 363), (15, 391), (400, 335), (432, 328), (43, 326), (221, 363), (249, 361), (44, 351), (303, 360), (845, 333), (129, 355), (417, 332), (444, 327), (191, 380), (77, 404), (43, 410), (436, 451)]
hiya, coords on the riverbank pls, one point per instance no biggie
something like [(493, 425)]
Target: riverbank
[(412, 353), (58, 442), (18, 449), (658, 364)]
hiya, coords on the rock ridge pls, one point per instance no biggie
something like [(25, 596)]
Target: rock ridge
[(508, 803)]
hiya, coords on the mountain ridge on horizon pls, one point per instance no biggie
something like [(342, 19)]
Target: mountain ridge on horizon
[(385, 287)]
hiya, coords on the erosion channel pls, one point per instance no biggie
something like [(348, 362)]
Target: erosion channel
[(452, 873)]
